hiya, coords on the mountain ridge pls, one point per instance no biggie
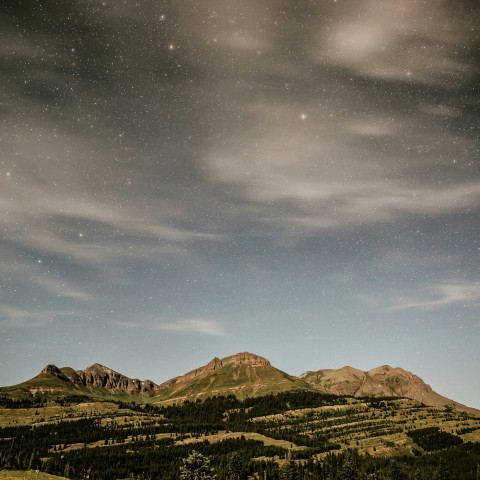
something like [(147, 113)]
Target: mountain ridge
[(243, 374)]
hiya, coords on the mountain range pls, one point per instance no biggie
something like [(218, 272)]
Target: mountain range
[(243, 375)]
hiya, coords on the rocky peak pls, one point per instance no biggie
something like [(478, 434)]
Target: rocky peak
[(98, 375), (98, 368), (74, 376), (245, 358), (382, 381), (382, 370), (55, 371)]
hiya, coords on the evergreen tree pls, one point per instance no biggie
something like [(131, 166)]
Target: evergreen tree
[(35, 462), (478, 471), (30, 463), (395, 472), (442, 472), (289, 470), (417, 475), (66, 472), (196, 467), (349, 469), (235, 467)]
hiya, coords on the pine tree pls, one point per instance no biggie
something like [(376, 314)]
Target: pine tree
[(30, 463), (35, 462), (196, 467), (442, 472), (349, 469), (395, 472), (66, 472), (289, 470), (235, 467)]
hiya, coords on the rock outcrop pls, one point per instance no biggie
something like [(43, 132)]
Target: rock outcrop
[(100, 376)]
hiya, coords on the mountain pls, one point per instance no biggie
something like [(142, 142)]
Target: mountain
[(383, 381), (95, 381), (243, 375), (101, 377)]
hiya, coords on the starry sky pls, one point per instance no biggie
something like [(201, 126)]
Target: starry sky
[(189, 179)]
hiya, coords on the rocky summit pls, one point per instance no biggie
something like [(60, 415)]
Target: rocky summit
[(101, 377)]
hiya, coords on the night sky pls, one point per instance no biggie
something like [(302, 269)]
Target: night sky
[(195, 178)]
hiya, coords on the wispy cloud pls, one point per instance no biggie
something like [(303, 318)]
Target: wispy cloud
[(194, 325), (423, 38), (61, 288), (22, 318), (467, 294), (183, 326)]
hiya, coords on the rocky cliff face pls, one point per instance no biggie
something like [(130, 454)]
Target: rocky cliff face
[(100, 376), (245, 358)]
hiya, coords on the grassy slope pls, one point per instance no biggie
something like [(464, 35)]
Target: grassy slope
[(50, 387), (53, 413), (241, 381), (27, 475), (43, 382)]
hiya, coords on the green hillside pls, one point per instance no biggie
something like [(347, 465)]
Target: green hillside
[(48, 388), (240, 380), (45, 384)]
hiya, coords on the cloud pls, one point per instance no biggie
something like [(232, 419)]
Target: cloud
[(467, 294), (61, 288), (192, 326), (300, 176), (266, 122), (183, 326), (21, 318), (146, 177), (406, 41)]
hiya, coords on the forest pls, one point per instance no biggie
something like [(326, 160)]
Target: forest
[(310, 436)]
